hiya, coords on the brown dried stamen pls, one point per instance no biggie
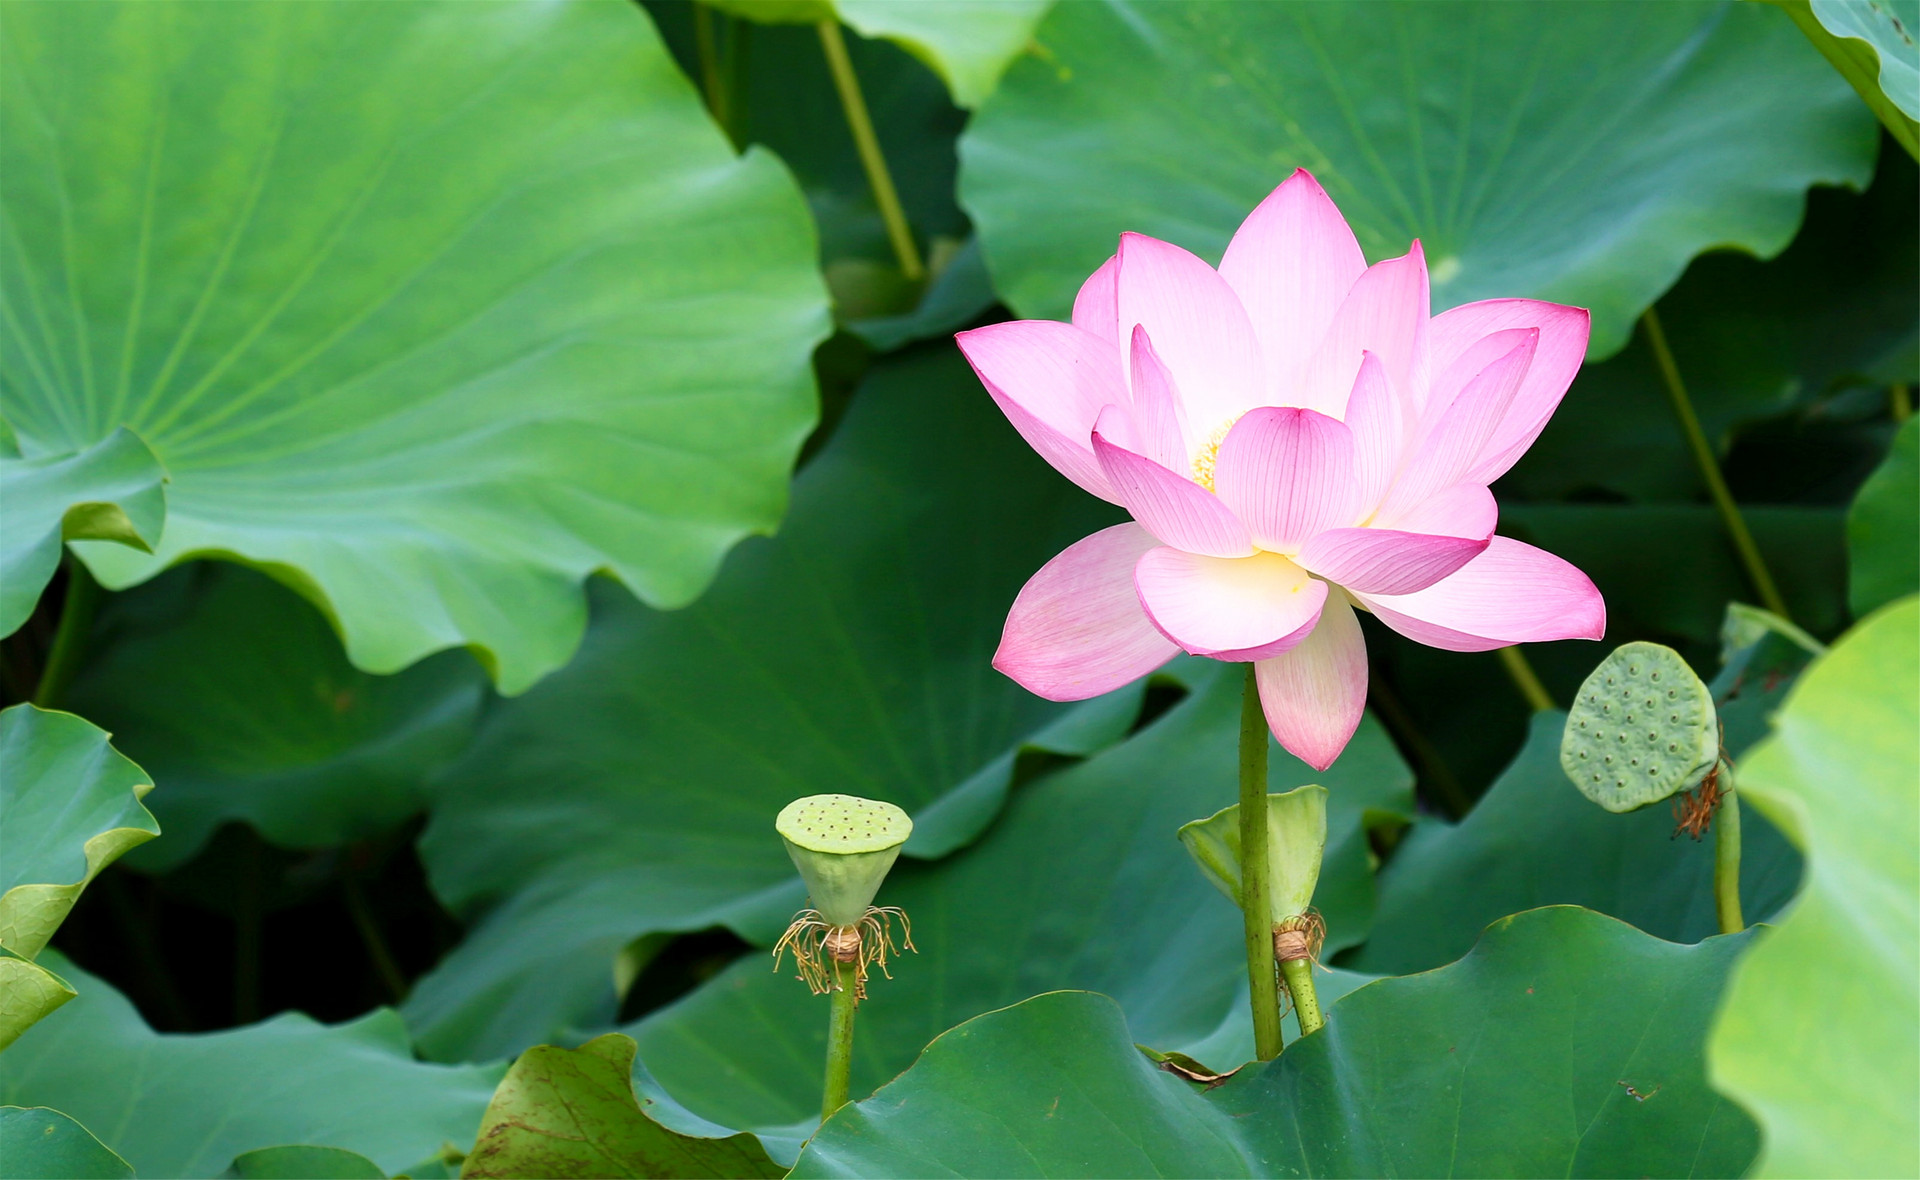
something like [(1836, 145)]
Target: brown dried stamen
[(1693, 810), (819, 947), (1300, 937)]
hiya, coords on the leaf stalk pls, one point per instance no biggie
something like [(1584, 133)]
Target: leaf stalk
[(1709, 466), (864, 139), (1726, 863), (70, 637), (1298, 974), (1520, 669)]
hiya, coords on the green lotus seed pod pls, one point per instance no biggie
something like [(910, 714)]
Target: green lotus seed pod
[(1296, 839), (1642, 728), (843, 846)]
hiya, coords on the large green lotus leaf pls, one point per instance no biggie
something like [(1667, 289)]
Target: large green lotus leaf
[(429, 309), (1752, 340), (70, 804), (574, 1112), (1889, 26), (636, 791), (110, 491), (1565, 1044), (1083, 883), (1533, 839), (1820, 1034), (28, 992), (234, 691), (41, 1144), (1883, 528), (1668, 570), (187, 1104), (969, 43), (1871, 43), (1579, 152)]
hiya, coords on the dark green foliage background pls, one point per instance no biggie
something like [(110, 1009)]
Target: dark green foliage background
[(596, 854)]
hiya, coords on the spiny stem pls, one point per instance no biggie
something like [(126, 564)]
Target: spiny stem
[(1298, 974), (1710, 469), (839, 1038), (70, 639), (1524, 679), (1726, 863), (878, 178), (1254, 886)]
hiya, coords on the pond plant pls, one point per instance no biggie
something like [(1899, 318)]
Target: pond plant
[(1304, 440), (534, 535)]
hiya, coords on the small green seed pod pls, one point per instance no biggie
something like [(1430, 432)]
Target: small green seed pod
[(843, 846), (1642, 728), (1296, 840)]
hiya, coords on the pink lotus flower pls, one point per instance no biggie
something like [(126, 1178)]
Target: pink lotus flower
[(1295, 436)]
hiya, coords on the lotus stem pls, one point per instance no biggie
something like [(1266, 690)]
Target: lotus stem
[(70, 637), (878, 178), (1254, 886), (845, 1000), (1726, 863), (1296, 943), (1710, 469), (1298, 974), (1524, 678)]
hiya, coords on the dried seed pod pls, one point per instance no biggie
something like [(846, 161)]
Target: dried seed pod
[(1642, 728)]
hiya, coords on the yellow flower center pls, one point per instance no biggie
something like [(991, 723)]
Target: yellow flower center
[(1209, 454)]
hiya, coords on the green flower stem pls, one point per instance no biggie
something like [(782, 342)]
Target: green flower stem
[(1538, 698), (70, 639), (839, 1039), (878, 177), (1254, 886), (1710, 469), (1899, 402), (1726, 863), (1298, 974)]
